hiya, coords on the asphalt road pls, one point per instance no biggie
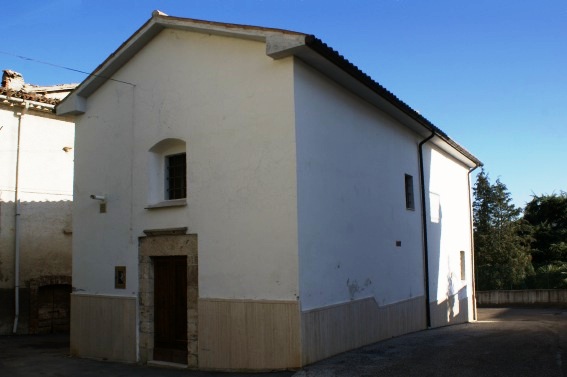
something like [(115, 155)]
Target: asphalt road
[(504, 342)]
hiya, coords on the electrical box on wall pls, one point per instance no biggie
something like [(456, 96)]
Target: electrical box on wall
[(102, 200)]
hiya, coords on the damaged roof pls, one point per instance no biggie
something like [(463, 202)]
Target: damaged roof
[(30, 96), (14, 87)]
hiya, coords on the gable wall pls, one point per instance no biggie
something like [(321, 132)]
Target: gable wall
[(233, 106), (449, 233)]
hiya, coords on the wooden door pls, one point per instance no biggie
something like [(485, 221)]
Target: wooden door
[(170, 309)]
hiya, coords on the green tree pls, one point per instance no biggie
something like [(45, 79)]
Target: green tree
[(501, 237), (547, 214)]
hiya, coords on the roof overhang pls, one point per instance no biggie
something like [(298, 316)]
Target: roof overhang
[(330, 63), (279, 44), (144, 35)]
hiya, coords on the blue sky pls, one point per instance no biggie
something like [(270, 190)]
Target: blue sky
[(491, 74)]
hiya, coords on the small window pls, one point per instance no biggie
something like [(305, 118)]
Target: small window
[(434, 207), (176, 176), (463, 274), (167, 174), (410, 203)]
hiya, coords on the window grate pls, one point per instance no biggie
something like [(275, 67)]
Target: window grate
[(176, 180)]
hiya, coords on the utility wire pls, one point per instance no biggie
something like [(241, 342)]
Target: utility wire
[(63, 67)]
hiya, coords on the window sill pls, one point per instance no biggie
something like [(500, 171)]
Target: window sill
[(167, 204)]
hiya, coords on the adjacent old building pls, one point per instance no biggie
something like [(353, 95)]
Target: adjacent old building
[(36, 194), (247, 199)]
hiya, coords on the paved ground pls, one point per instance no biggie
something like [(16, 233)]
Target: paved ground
[(505, 342), (48, 355)]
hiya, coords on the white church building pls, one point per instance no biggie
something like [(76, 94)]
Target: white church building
[(247, 199)]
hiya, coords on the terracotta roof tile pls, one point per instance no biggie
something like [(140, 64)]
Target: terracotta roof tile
[(30, 96)]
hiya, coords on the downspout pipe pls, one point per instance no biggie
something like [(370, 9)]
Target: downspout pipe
[(472, 243), (17, 224), (424, 227)]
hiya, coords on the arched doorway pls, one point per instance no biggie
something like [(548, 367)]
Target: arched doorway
[(50, 304)]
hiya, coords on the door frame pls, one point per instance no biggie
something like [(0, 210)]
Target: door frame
[(167, 242)]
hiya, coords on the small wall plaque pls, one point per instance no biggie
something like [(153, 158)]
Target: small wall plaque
[(120, 277)]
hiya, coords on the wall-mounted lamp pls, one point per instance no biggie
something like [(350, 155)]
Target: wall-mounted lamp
[(102, 199)]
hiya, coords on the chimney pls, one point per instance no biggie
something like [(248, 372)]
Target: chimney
[(12, 80)]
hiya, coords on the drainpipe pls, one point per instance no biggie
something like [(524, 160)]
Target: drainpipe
[(17, 224), (424, 228), (472, 243)]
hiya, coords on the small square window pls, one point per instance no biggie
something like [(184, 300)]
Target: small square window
[(176, 176), (410, 203)]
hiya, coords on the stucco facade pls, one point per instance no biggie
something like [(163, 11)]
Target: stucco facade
[(295, 209), (36, 169)]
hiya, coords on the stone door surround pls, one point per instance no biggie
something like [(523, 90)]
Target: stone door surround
[(167, 242)]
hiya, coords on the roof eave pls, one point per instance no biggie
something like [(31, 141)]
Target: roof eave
[(331, 63), (148, 31), (279, 44)]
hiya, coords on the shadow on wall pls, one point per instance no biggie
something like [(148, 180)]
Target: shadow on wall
[(453, 308), (45, 260), (450, 311)]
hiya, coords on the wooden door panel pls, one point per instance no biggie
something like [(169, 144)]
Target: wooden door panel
[(170, 309)]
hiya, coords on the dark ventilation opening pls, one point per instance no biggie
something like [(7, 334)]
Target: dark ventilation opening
[(54, 308)]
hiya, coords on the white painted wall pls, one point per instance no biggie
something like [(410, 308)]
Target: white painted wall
[(351, 161), (45, 193), (233, 106), (447, 182), (103, 166)]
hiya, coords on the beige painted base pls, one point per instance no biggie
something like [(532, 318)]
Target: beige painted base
[(248, 335), (103, 327), (339, 328), (450, 312)]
